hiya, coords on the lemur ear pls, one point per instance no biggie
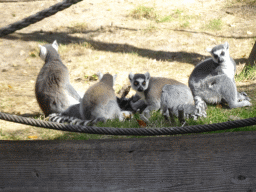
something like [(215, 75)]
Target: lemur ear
[(130, 76), (147, 75), (226, 45), (43, 52), (114, 78), (209, 50), (55, 45), (100, 75)]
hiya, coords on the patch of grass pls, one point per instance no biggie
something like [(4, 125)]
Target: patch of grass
[(249, 2), (78, 27), (87, 45), (178, 12), (214, 25), (163, 19), (150, 28), (215, 114), (185, 24), (143, 12), (248, 73), (178, 17)]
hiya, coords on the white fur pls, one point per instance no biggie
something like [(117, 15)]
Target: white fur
[(100, 75), (72, 100), (209, 49), (228, 69), (55, 45), (114, 78), (131, 75), (43, 52)]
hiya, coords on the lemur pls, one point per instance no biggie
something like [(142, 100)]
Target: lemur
[(213, 79), (99, 103), (53, 90), (168, 94)]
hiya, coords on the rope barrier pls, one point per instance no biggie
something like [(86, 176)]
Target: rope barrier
[(130, 131), (37, 17)]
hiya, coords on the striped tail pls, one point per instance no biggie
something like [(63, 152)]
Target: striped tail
[(58, 118)]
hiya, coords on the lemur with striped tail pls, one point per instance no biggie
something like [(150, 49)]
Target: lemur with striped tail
[(99, 103), (53, 90), (171, 96), (213, 79)]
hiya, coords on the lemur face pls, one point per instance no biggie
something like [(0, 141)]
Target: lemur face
[(220, 53), (139, 82)]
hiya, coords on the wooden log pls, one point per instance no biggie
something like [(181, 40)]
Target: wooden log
[(212, 162)]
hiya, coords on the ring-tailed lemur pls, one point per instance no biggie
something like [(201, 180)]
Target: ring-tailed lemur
[(213, 79), (53, 90), (177, 100), (167, 94), (98, 104)]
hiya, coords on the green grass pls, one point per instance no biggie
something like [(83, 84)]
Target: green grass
[(214, 25), (163, 19), (185, 24), (178, 12), (214, 115), (177, 16), (248, 73)]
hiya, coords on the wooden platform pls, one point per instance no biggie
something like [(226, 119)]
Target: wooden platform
[(215, 162)]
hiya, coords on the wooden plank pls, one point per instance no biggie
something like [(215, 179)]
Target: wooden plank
[(215, 162)]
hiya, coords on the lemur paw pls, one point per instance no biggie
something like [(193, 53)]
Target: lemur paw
[(247, 103), (243, 96), (127, 114), (200, 107), (143, 118)]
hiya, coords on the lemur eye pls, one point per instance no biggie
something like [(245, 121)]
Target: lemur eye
[(222, 53), (215, 55), (135, 83), (144, 83)]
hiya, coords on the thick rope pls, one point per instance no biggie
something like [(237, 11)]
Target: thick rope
[(129, 131), (37, 17)]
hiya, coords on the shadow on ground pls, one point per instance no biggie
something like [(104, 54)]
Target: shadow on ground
[(67, 38)]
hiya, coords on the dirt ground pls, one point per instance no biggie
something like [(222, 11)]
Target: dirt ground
[(102, 35)]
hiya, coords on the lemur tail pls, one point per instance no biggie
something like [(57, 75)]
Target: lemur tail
[(192, 111), (59, 118)]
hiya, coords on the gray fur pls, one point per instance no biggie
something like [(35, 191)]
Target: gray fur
[(164, 93), (53, 90), (98, 104), (73, 111), (213, 79), (100, 101), (176, 97)]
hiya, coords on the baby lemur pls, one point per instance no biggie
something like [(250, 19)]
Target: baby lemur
[(168, 94), (98, 104), (53, 90), (213, 79)]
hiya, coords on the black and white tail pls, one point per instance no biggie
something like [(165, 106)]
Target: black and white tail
[(58, 118)]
